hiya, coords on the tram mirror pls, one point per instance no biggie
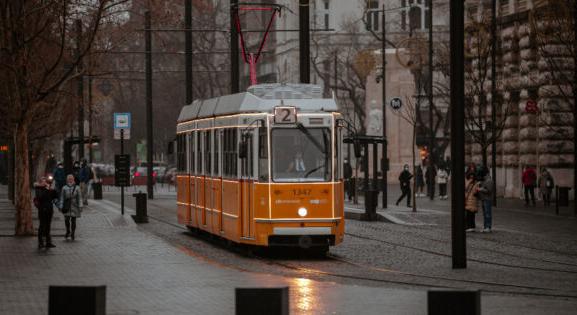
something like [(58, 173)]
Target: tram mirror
[(357, 148)]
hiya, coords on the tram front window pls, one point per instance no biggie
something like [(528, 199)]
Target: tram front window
[(301, 154)]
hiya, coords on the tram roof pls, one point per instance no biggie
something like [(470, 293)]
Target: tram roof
[(261, 98)]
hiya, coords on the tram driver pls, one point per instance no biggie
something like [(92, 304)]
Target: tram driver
[(297, 164)]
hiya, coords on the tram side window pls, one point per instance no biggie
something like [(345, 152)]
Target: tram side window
[(216, 152), (262, 154), (199, 153), (207, 153), (230, 153), (192, 151), (181, 153)]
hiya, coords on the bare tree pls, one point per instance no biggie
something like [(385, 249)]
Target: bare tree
[(478, 124), (38, 55)]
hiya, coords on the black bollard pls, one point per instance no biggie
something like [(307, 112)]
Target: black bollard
[(141, 211), (72, 300), (262, 301), (454, 302)]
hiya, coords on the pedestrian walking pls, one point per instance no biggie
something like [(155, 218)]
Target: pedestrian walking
[(85, 176), (405, 181), (420, 181), (76, 172), (486, 196), (348, 174), (546, 184), (442, 179), (529, 179), (59, 177), (430, 176), (70, 205), (43, 200), (471, 207)]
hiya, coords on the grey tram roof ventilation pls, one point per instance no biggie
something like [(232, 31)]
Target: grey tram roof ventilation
[(286, 91)]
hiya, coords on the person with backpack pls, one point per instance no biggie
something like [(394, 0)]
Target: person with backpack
[(486, 196), (70, 204), (43, 200), (529, 179), (84, 177)]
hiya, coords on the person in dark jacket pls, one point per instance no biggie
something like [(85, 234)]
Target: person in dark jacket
[(84, 176), (348, 174), (430, 176), (405, 181), (420, 181), (59, 177), (76, 172), (486, 196), (44, 199)]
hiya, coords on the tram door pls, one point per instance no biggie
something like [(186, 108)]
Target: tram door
[(247, 187)]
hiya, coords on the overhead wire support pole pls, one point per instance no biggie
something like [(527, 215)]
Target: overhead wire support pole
[(188, 50), (304, 41), (457, 111), (494, 98), (432, 153), (575, 107), (149, 120), (80, 91), (385, 162), (234, 51)]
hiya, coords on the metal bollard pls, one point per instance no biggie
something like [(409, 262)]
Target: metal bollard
[(71, 300), (141, 211), (262, 301), (454, 302)]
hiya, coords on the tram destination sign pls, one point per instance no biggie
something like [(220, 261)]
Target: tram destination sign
[(285, 115), (122, 170)]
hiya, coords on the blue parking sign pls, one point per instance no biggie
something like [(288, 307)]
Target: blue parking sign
[(122, 121)]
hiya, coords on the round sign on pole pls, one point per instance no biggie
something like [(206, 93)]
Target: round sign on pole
[(396, 103)]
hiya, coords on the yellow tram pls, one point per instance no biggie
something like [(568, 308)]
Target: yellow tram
[(263, 167)]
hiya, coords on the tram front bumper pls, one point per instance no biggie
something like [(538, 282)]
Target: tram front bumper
[(304, 237)]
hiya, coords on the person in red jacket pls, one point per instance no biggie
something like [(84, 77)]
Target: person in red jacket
[(529, 180)]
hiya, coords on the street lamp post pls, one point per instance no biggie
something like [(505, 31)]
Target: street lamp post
[(493, 99), (385, 161), (457, 36)]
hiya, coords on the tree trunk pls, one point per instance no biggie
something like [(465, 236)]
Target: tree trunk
[(484, 154), (22, 177)]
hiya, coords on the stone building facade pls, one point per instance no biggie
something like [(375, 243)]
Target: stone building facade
[(542, 138)]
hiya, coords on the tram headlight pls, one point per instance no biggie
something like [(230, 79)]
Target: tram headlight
[(303, 212)]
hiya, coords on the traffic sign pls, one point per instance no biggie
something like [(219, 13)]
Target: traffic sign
[(396, 103), (122, 170), (126, 135), (122, 120)]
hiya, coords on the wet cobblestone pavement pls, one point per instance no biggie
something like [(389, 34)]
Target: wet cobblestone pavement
[(159, 268)]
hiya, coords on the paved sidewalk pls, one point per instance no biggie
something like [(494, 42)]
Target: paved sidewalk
[(147, 275)]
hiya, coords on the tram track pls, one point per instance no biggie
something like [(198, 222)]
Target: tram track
[(428, 251), (372, 274)]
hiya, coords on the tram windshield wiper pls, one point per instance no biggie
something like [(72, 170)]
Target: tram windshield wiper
[(314, 140)]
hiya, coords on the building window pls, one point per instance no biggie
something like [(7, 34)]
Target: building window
[(504, 7), (415, 16), (372, 15), (521, 5), (327, 14)]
